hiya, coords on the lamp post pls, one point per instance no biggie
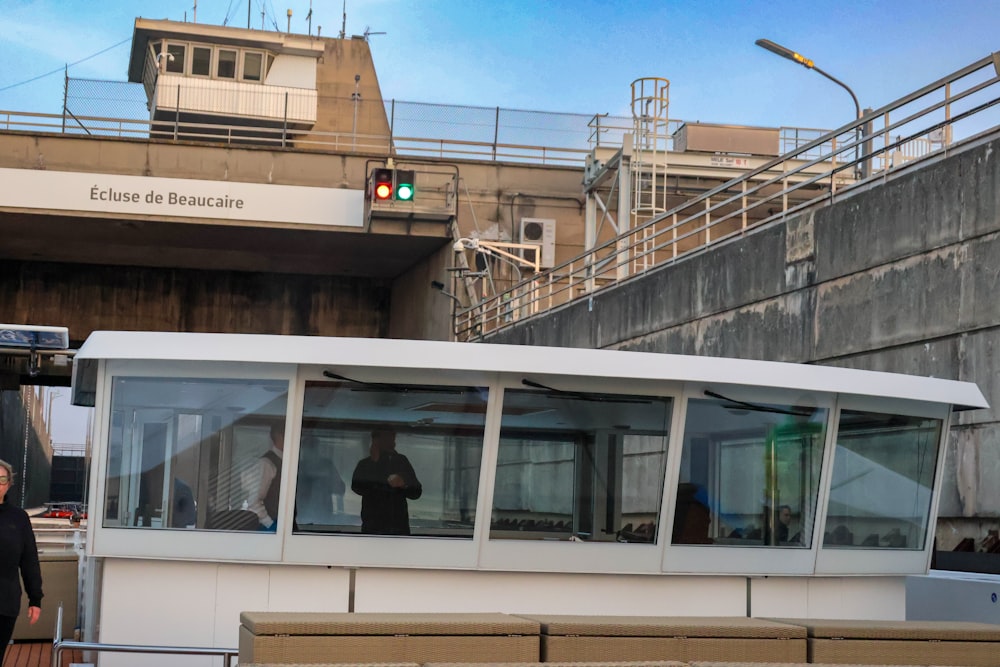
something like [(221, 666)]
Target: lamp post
[(785, 52), (808, 64)]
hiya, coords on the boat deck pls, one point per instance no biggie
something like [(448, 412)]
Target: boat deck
[(37, 654)]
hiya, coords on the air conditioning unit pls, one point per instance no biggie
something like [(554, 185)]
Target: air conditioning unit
[(540, 232)]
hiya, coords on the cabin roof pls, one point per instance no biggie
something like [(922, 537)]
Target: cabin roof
[(518, 359)]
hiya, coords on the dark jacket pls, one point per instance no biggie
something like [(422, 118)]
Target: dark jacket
[(383, 508), (18, 555)]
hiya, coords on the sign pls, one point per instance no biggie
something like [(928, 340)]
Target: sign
[(730, 162), (180, 197)]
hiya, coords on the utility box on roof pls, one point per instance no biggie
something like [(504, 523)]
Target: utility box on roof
[(708, 138)]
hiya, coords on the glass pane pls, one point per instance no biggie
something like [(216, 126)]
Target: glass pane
[(195, 453), (252, 63), (390, 459), (580, 466), (175, 58), (201, 61), (746, 467), (227, 64), (883, 472)]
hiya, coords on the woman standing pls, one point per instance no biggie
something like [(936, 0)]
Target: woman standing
[(18, 554)]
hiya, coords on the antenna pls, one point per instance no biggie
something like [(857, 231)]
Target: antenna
[(195, 11), (309, 18), (343, 25), (368, 32)]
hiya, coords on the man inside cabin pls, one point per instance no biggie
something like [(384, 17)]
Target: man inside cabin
[(385, 480), (265, 504)]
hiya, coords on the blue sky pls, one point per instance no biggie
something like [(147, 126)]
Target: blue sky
[(575, 56)]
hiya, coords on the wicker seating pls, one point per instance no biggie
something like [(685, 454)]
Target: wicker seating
[(558, 664), (272, 639), (902, 642), (641, 638), (287, 637)]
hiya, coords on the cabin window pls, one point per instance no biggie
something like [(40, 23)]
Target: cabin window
[(175, 58), (227, 64), (201, 61), (389, 459), (188, 452), (253, 63), (747, 467), (881, 486), (580, 466)]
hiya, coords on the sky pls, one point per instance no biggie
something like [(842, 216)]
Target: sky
[(577, 56)]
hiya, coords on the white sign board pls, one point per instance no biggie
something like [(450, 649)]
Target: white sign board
[(180, 197)]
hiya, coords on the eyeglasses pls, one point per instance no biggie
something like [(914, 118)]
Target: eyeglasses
[(4, 479)]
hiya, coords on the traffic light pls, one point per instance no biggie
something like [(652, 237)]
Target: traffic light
[(393, 184), (382, 184), (404, 185)]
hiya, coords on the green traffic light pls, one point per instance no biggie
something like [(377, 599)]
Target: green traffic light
[(404, 185)]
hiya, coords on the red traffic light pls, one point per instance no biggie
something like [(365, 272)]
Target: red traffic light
[(382, 184)]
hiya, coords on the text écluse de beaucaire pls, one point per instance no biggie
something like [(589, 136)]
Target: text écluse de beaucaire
[(171, 198)]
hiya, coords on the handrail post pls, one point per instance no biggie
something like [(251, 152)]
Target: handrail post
[(65, 96), (496, 132), (866, 146), (392, 121), (177, 111), (284, 128)]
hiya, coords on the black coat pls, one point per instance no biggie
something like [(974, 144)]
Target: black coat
[(383, 508), (18, 555)]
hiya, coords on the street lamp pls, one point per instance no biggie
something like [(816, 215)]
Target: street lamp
[(784, 52), (808, 64)]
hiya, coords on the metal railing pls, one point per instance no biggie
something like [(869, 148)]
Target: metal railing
[(59, 645), (228, 655), (961, 107)]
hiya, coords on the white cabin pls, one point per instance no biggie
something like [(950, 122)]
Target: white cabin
[(553, 481)]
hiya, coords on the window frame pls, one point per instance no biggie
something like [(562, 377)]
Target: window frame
[(748, 559), (211, 61), (579, 557), (349, 549), (239, 66), (243, 62), (188, 544), (861, 560)]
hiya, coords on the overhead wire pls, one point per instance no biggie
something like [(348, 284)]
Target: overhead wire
[(60, 69), (229, 11)]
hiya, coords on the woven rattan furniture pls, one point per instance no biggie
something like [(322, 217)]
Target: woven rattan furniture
[(902, 642), (310, 638), (333, 664), (653, 638), (781, 664), (669, 663)]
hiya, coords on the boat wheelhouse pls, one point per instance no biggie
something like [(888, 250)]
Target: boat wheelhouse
[(552, 481)]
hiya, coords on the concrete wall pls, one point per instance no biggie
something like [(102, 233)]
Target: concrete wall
[(85, 298), (21, 446), (902, 277)]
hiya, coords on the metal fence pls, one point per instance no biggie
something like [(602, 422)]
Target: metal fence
[(124, 109), (963, 107)]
